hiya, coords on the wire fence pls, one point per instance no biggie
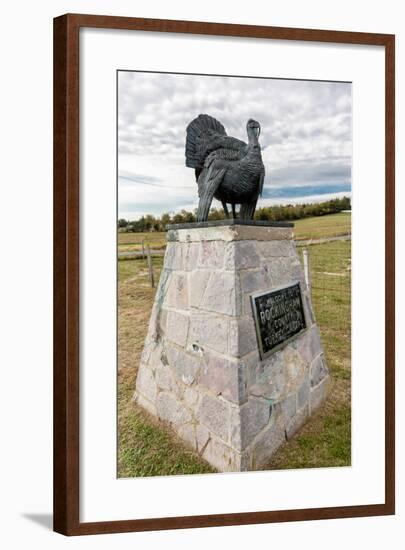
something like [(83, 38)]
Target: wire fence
[(327, 268)]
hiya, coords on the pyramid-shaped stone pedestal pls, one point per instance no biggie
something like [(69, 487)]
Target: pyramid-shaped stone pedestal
[(205, 369)]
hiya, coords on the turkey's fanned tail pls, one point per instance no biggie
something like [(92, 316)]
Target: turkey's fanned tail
[(200, 132)]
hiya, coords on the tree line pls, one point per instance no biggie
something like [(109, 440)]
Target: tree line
[(287, 212)]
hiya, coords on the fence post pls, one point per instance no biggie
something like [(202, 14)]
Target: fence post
[(306, 269), (150, 267), (143, 250)]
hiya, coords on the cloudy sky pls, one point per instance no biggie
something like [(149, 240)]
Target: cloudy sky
[(305, 137)]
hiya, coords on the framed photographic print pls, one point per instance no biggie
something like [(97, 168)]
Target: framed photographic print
[(223, 274)]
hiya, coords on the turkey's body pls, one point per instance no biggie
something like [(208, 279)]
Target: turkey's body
[(241, 180), (226, 168)]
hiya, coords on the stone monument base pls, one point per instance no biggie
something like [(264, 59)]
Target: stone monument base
[(203, 369)]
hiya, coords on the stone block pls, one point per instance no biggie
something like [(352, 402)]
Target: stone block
[(154, 355), (145, 383), (184, 365), (246, 304), (267, 378), (277, 376), (174, 256), (289, 406), (275, 249), (242, 337), (318, 370), (209, 331), (318, 394), (308, 344), (163, 377), (255, 280), (177, 293), (187, 434), (202, 437), (245, 461), (269, 440), (157, 325), (230, 233), (296, 370), (295, 423), (215, 414), (172, 236), (197, 284), (248, 421), (190, 256), (220, 294), (149, 346), (223, 377), (248, 233), (303, 393), (191, 398), (241, 255), (284, 271), (221, 456), (211, 255), (172, 410), (177, 327), (145, 404), (163, 286)]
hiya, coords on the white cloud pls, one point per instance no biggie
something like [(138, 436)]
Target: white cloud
[(308, 199), (305, 138)]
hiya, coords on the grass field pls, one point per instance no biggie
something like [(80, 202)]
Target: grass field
[(322, 227), (133, 241), (147, 448), (333, 225)]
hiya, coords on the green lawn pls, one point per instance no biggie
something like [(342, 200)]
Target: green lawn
[(320, 227), (147, 448)]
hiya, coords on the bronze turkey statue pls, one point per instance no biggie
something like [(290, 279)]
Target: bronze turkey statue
[(225, 167)]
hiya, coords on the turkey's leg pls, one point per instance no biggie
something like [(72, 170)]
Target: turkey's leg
[(233, 211), (225, 209), (247, 210)]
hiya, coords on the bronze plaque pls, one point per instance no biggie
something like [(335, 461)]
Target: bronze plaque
[(279, 316)]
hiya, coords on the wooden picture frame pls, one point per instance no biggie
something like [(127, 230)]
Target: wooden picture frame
[(67, 283)]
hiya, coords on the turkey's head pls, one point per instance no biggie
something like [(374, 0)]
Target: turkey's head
[(253, 130)]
